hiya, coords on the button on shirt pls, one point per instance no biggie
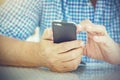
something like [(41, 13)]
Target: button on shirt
[(19, 18)]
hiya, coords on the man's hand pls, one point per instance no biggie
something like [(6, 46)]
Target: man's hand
[(99, 44), (61, 57)]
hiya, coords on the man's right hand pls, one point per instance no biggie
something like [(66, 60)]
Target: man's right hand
[(61, 57)]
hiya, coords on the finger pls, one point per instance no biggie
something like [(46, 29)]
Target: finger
[(100, 39), (90, 35), (48, 34), (92, 47), (85, 50), (90, 27), (104, 40), (80, 28), (98, 29), (72, 65), (86, 22), (89, 46), (96, 50), (66, 46), (70, 55)]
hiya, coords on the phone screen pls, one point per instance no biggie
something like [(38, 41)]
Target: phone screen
[(63, 31)]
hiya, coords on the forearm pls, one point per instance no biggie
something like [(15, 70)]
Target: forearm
[(18, 53)]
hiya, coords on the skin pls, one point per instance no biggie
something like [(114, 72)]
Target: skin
[(57, 57), (99, 44)]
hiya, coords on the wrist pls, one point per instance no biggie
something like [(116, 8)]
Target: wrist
[(115, 58), (39, 54), (31, 50), (42, 55)]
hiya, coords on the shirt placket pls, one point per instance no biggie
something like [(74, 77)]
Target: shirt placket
[(99, 10)]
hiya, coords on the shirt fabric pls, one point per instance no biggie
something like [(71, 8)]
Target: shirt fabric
[(19, 18)]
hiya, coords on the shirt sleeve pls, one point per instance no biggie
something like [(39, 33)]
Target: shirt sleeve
[(19, 18)]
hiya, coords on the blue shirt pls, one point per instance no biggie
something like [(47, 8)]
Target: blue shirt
[(19, 18)]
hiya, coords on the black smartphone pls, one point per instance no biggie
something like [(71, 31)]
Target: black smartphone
[(63, 31)]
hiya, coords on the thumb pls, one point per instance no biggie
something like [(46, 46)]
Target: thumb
[(48, 34)]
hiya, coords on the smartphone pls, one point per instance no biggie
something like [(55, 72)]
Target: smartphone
[(63, 31)]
